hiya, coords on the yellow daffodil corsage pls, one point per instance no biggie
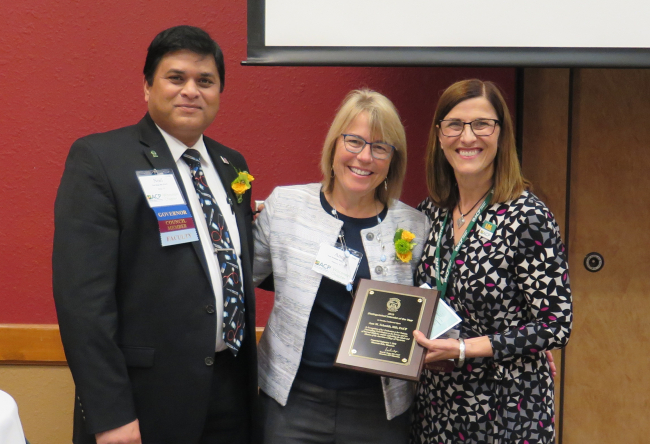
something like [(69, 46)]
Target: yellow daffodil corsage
[(241, 184), (403, 245)]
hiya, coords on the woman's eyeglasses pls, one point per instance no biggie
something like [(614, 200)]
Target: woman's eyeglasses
[(480, 127), (356, 144)]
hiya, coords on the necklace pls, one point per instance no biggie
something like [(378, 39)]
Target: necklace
[(461, 220), (443, 280)]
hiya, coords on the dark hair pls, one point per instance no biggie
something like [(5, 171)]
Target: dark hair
[(509, 183), (178, 38)]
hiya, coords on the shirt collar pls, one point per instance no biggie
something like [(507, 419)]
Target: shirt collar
[(177, 147)]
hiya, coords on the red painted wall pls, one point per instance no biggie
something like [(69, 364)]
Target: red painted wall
[(72, 68)]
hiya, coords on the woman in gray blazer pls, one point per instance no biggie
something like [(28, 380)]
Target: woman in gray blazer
[(355, 209)]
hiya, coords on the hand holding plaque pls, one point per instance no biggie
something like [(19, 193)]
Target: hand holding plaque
[(378, 337)]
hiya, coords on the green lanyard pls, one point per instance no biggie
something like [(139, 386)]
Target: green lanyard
[(441, 284)]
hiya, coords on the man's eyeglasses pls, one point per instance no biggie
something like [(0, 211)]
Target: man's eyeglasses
[(480, 127), (356, 144)]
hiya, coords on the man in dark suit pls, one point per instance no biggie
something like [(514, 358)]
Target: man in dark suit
[(150, 343)]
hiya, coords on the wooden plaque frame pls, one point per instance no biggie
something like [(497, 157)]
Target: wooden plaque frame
[(384, 315)]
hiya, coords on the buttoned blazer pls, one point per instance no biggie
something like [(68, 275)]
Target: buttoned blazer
[(137, 320), (288, 235)]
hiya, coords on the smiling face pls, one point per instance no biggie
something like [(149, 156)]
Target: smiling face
[(471, 156), (358, 174), (184, 97)]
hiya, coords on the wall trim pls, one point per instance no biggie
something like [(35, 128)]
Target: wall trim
[(39, 344), (31, 344)]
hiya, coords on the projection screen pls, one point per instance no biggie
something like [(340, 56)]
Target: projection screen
[(560, 33)]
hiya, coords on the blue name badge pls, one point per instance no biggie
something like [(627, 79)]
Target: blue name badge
[(176, 225), (163, 195)]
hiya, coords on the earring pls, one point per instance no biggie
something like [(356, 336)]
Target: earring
[(386, 184)]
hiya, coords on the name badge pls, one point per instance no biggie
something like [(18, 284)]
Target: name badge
[(338, 263), (487, 230), (164, 197)]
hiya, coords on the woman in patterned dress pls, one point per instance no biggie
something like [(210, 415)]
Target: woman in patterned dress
[(508, 281)]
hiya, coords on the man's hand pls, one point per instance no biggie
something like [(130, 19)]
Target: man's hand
[(259, 206), (127, 434)]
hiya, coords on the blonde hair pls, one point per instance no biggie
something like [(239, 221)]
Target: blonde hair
[(509, 182), (385, 124)]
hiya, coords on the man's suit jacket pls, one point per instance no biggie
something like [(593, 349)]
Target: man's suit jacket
[(137, 319)]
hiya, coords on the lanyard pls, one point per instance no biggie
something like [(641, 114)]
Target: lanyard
[(441, 283)]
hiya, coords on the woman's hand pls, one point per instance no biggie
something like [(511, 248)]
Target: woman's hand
[(438, 349), (441, 349)]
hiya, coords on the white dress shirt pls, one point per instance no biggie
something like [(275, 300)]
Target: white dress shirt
[(11, 430), (177, 149)]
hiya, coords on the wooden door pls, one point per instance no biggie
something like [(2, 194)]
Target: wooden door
[(586, 139), (607, 376)]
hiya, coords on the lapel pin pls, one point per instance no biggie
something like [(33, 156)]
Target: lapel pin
[(224, 160), (154, 154)]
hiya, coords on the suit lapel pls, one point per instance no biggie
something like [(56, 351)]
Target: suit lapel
[(227, 174), (222, 164), (157, 152)]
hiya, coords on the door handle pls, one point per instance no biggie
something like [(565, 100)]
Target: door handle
[(594, 262)]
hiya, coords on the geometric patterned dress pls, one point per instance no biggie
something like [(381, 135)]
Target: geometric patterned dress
[(513, 288)]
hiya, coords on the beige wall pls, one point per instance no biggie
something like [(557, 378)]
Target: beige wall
[(45, 398), (33, 370)]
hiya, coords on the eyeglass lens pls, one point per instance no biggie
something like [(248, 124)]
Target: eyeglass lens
[(356, 144), (480, 127)]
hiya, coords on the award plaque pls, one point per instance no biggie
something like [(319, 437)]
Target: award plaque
[(378, 336)]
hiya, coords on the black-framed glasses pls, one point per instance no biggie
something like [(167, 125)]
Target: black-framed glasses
[(356, 144), (480, 127)]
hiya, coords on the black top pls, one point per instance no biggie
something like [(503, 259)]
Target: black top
[(329, 315)]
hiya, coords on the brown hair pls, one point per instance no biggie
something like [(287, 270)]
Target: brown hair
[(384, 123), (509, 182)]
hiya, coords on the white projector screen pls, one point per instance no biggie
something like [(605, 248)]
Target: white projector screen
[(562, 33)]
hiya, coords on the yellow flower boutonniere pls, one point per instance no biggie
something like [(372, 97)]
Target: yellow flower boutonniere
[(241, 184), (403, 245)]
